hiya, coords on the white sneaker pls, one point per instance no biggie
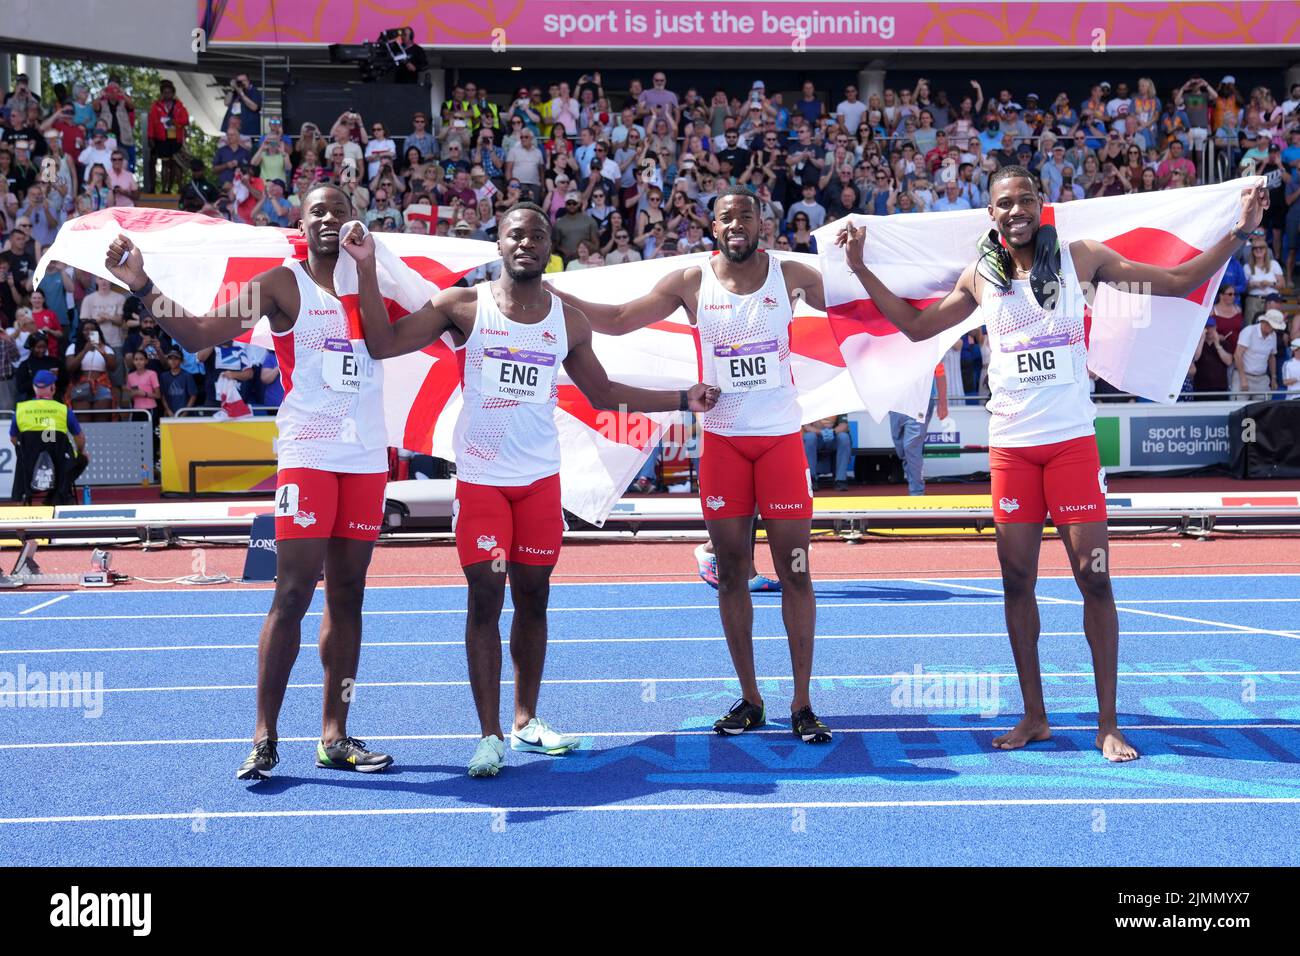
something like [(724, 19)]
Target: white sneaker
[(707, 565), (537, 736), (489, 757)]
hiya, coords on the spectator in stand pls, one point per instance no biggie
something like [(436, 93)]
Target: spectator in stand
[(272, 159), (575, 226), (142, 386), (231, 154), (45, 320), (116, 112), (1109, 184), (42, 356), (952, 199), (1256, 356), (563, 111), (1291, 371), (11, 358), (829, 437), (121, 181), (1263, 278), (97, 153), (40, 217), (379, 148), (1212, 362), (168, 120), (525, 163), (1174, 160), (383, 209), (244, 101), (90, 360)]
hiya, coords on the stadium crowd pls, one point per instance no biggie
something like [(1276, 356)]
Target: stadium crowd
[(626, 175)]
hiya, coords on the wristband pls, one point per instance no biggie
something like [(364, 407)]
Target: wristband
[(1241, 234), (141, 293), (683, 401)]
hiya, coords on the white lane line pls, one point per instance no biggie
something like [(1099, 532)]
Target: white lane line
[(1119, 605), (597, 640), (639, 734), (61, 597), (1064, 576), (657, 808), (965, 675), (417, 612)]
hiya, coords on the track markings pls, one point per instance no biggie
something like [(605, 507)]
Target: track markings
[(208, 815)]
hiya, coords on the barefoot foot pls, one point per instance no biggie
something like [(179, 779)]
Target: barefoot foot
[(1114, 747), (1029, 730)]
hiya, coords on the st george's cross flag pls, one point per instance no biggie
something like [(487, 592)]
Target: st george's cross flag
[(1139, 343)]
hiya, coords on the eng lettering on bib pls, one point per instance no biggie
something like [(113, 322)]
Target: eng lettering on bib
[(753, 367), (518, 374), (341, 367), (1040, 362)]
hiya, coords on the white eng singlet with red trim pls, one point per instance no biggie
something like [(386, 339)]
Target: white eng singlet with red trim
[(506, 432), (1038, 364), (332, 416), (743, 343)]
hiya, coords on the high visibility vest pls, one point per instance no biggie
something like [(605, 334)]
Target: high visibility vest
[(41, 413)]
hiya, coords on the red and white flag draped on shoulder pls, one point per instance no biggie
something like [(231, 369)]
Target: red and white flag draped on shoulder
[(1140, 343)]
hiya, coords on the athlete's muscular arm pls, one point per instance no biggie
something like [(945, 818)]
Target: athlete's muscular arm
[(670, 293), (1095, 262), (589, 375), (412, 332), (803, 281), (916, 324), (265, 294)]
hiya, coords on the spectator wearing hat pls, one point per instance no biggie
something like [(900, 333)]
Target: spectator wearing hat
[(1291, 371), (199, 191), (71, 133), (42, 426), (1256, 356), (275, 204), (176, 387)]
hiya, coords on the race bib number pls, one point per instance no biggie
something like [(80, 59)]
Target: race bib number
[(754, 367), (342, 368), (1038, 363), (286, 500), (518, 375)]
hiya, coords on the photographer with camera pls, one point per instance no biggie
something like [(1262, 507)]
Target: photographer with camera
[(244, 100)]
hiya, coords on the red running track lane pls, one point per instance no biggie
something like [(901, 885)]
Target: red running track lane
[(627, 560)]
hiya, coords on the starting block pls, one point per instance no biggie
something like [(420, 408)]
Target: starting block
[(26, 571)]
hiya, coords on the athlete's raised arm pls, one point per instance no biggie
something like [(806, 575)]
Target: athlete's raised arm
[(1096, 262), (669, 294), (589, 375), (916, 324), (268, 293), (412, 332)]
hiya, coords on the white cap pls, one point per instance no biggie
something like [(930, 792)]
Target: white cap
[(1228, 79), (1275, 318)]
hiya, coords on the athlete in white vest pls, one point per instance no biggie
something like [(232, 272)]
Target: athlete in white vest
[(1031, 291), (514, 336), (752, 458), (333, 468)]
